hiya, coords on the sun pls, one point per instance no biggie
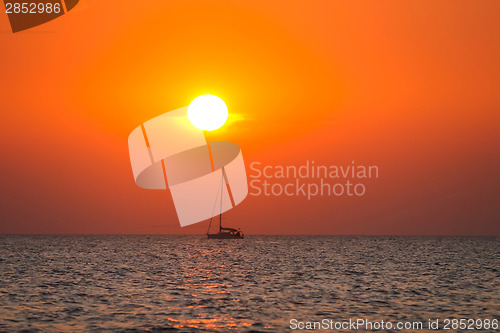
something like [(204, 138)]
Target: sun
[(207, 112)]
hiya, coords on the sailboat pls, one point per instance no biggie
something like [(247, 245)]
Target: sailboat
[(224, 233)]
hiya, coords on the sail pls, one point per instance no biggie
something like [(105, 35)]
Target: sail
[(168, 151)]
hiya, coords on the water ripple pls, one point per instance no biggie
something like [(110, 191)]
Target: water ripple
[(187, 283)]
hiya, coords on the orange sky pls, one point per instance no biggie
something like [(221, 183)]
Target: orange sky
[(410, 86)]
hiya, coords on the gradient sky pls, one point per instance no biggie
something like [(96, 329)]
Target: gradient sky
[(410, 86)]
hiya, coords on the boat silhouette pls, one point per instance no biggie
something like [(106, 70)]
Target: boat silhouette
[(224, 233)]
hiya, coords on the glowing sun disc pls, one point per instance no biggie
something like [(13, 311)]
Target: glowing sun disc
[(207, 112)]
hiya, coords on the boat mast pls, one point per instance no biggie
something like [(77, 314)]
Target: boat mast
[(221, 191)]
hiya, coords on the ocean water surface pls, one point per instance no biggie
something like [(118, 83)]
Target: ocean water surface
[(189, 283)]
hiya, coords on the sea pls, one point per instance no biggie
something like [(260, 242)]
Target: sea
[(168, 283)]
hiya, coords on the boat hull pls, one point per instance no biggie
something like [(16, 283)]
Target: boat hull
[(223, 235)]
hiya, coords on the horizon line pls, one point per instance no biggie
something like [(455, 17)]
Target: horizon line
[(195, 234)]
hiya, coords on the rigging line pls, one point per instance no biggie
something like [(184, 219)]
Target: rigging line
[(213, 210), (228, 187)]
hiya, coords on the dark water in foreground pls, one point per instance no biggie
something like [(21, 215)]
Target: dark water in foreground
[(188, 283)]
